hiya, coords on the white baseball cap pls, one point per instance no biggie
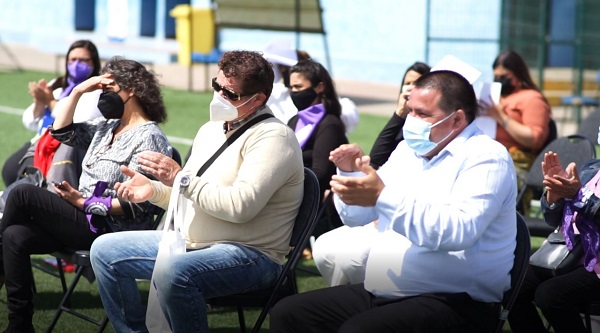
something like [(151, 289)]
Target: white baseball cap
[(281, 52)]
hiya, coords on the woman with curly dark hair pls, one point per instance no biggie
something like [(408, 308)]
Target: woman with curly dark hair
[(132, 75), (37, 221)]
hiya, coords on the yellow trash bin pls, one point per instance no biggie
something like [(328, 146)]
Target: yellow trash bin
[(194, 30)]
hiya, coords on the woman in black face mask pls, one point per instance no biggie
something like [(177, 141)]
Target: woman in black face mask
[(38, 221), (523, 114), (318, 127)]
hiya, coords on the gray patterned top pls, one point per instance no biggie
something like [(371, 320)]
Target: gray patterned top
[(103, 159)]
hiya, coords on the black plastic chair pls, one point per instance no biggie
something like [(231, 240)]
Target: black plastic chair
[(286, 283), (517, 273), (573, 148), (552, 133), (592, 309), (589, 125), (82, 261)]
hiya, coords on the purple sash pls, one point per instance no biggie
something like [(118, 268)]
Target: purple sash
[(573, 224), (307, 122)]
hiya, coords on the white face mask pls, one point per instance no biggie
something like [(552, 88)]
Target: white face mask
[(222, 110)]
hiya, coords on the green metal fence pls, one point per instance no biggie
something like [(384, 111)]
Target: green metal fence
[(547, 33)]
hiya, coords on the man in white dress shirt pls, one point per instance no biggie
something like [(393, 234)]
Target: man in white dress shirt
[(445, 201)]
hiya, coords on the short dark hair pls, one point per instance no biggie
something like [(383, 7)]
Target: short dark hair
[(456, 92), (133, 76), (253, 71)]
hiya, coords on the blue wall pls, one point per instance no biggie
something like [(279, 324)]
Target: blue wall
[(562, 33), (368, 40)]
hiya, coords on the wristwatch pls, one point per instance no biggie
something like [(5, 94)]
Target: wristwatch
[(184, 182)]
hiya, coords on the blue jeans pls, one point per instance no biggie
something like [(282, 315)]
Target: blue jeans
[(184, 282)]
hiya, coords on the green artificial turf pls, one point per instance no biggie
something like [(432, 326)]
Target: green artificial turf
[(187, 111)]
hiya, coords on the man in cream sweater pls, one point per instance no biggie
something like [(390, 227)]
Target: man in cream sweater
[(238, 215)]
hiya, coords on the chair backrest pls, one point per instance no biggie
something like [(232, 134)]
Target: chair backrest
[(303, 225), (306, 213), (160, 213), (176, 156), (589, 125), (552, 133), (286, 282), (573, 148), (517, 273)]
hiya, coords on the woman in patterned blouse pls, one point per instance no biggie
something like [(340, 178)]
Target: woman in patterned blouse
[(36, 221)]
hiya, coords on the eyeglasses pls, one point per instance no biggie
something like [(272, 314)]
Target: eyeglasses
[(228, 93), (97, 155)]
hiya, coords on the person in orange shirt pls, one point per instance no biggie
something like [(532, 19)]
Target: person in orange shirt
[(523, 114)]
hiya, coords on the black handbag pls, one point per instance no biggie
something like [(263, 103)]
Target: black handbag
[(30, 175), (554, 258)]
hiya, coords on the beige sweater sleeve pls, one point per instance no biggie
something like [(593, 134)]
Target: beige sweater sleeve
[(160, 194)]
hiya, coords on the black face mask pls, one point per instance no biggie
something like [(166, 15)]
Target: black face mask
[(507, 86), (304, 98), (111, 105)]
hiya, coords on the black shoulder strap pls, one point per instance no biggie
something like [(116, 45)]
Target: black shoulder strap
[(232, 138)]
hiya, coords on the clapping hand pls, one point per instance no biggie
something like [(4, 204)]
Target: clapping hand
[(345, 157), (559, 182), (40, 92), (360, 191)]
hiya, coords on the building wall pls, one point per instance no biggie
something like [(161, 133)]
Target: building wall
[(368, 40)]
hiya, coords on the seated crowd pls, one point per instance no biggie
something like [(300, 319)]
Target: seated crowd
[(417, 236)]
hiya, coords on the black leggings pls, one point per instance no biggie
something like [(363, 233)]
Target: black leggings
[(35, 221)]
